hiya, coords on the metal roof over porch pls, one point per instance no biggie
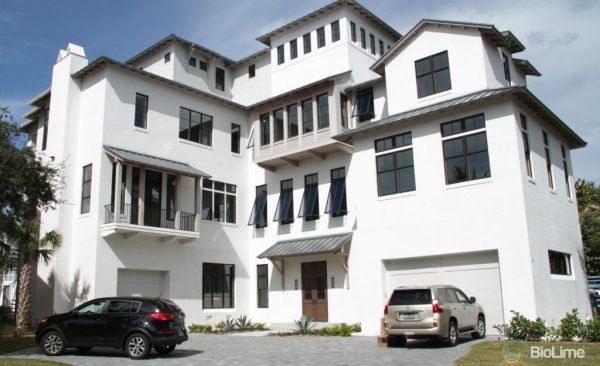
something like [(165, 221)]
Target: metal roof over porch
[(307, 246)]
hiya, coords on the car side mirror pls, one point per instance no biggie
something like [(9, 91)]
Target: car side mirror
[(472, 300)]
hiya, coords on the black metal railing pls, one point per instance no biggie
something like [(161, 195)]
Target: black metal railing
[(186, 221), (152, 217), (127, 214)]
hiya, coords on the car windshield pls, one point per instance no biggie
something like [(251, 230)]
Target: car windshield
[(411, 297)]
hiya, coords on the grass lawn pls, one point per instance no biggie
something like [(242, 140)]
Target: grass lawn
[(10, 343), (491, 353), (29, 362)]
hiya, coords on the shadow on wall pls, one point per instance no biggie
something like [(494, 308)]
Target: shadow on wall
[(76, 292)]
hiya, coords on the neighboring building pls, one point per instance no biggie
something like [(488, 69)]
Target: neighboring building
[(312, 177)]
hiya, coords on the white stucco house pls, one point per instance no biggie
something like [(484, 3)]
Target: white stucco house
[(312, 177)]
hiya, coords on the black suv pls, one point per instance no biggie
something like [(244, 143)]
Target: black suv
[(135, 324)]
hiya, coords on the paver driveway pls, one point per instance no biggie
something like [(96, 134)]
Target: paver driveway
[(273, 350)]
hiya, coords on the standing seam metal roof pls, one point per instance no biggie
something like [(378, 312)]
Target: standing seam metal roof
[(307, 246)]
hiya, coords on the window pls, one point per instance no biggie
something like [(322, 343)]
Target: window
[(167, 57), (217, 285), (280, 55), (292, 112), (506, 67), (566, 170), (192, 62), (548, 160), (525, 137), (320, 37), (309, 208), (262, 285), (466, 157), (235, 138), (306, 43), (380, 47), (307, 116), (171, 191), (45, 135), (252, 71), (265, 133), (335, 31), (285, 206), (135, 194), (344, 109), (395, 170), (372, 43), (86, 189), (353, 31), (220, 79), (363, 39), (195, 126), (433, 74), (323, 111), (293, 49), (123, 306), (218, 201), (95, 307), (141, 110), (203, 65), (560, 263), (278, 125), (364, 107), (258, 216), (336, 201)]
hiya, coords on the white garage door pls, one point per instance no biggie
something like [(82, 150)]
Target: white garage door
[(134, 282), (477, 274)]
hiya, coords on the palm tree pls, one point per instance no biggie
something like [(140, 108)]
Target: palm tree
[(31, 248)]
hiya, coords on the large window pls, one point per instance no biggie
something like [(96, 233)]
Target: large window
[(395, 170), (278, 125), (306, 43), (307, 116), (526, 149), (219, 201), (466, 156), (217, 285), (309, 208), (566, 170), (262, 285), (86, 189), (265, 133), (235, 138), (433, 74), (258, 216), (335, 31), (284, 212), (320, 37), (280, 55), (548, 160), (363, 38), (364, 107), (353, 31), (560, 263), (336, 201), (323, 111), (141, 110), (220, 79), (292, 112), (293, 49), (195, 126)]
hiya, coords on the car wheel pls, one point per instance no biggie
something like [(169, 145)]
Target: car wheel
[(84, 349), (396, 341), (137, 346), (480, 332), (53, 343), (163, 350), (452, 336)]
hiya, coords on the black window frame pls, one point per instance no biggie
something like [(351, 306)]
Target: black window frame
[(292, 122), (363, 38), (321, 37), (353, 31), (212, 275), (280, 54), (566, 170), (381, 50), (435, 75), (293, 49), (548, 157), (262, 286), (307, 122), (506, 67), (322, 111), (372, 43), (344, 110), (265, 129), (192, 62), (397, 150), (311, 193), (236, 138), (526, 146), (307, 46), (171, 195), (86, 198), (335, 31), (219, 201), (45, 132), (560, 263), (202, 65), (167, 57), (284, 212), (359, 104), (205, 126), (219, 78), (336, 199), (251, 71), (258, 215), (141, 115), (278, 133)]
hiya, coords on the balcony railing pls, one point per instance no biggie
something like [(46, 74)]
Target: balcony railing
[(130, 214)]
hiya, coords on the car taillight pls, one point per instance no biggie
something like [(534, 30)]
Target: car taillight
[(385, 309), (162, 316), (436, 308)]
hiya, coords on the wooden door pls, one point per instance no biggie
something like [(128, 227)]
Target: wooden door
[(314, 290)]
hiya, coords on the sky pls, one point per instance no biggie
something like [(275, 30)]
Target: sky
[(562, 40)]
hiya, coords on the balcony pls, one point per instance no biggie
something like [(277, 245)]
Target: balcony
[(167, 225)]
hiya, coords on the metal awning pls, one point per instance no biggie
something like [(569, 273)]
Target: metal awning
[(149, 161), (308, 246)]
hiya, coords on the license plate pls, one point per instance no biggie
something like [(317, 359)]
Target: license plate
[(409, 316)]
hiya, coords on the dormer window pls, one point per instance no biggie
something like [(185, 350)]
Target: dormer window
[(364, 108), (220, 79), (192, 62), (202, 65), (167, 57), (433, 74), (506, 67)]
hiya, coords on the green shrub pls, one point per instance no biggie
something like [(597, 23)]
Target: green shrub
[(356, 328), (522, 328), (592, 331), (304, 325), (571, 327), (200, 328), (257, 326), (6, 313), (243, 323)]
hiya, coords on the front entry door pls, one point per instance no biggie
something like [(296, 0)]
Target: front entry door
[(152, 201), (314, 290)]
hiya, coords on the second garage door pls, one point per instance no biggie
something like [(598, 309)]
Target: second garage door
[(135, 282), (477, 274)]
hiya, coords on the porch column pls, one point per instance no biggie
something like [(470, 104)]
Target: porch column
[(142, 196), (117, 198), (197, 206), (177, 203)]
